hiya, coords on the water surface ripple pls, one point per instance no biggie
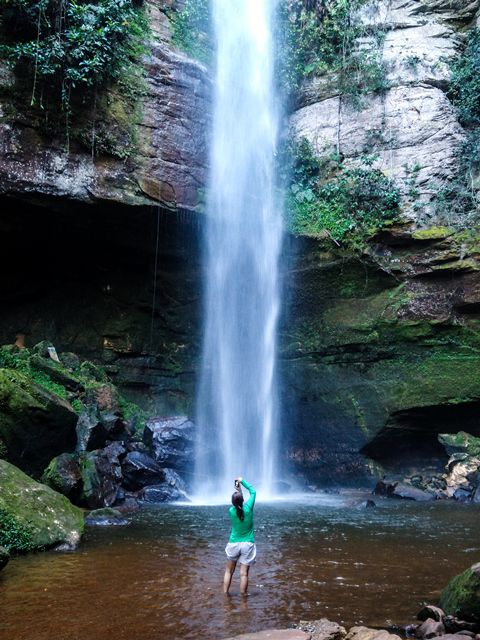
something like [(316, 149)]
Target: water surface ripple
[(161, 576)]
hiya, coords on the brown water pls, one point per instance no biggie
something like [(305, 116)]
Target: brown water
[(161, 576)]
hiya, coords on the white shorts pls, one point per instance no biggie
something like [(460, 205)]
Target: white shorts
[(245, 552)]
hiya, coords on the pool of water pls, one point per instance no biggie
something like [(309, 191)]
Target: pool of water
[(161, 576)]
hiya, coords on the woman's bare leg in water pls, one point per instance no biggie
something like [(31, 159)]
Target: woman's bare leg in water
[(244, 569), (227, 578)]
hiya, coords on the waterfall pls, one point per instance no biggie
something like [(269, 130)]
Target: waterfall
[(237, 413)]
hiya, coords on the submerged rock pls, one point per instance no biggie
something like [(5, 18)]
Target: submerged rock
[(407, 492), (106, 517), (40, 516), (274, 634), (461, 597), (4, 558)]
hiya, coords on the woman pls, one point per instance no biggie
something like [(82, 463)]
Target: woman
[(241, 545)]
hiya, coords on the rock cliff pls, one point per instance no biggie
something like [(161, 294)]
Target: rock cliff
[(380, 346)]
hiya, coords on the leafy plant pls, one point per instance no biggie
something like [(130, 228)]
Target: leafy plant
[(321, 37), (65, 54), (345, 203), (13, 535), (192, 29), (465, 82)]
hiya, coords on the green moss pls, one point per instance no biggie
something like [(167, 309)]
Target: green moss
[(192, 29), (38, 516), (461, 597), (15, 535), (432, 233)]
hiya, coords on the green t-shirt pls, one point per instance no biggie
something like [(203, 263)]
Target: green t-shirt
[(242, 531)]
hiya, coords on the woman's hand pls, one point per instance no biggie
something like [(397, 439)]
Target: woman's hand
[(238, 480)]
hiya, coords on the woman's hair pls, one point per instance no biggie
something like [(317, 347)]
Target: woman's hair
[(237, 501)]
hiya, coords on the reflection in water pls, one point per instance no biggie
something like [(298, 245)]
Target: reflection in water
[(161, 576)]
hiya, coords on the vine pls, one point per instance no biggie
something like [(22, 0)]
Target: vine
[(321, 37), (71, 52)]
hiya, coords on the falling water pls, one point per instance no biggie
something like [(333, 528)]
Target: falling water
[(237, 408)]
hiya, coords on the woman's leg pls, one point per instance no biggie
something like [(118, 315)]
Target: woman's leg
[(227, 578), (244, 569)]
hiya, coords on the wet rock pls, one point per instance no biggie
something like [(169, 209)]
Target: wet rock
[(91, 434), (383, 488), (460, 442), (274, 634), (454, 625), (140, 470), (172, 489), (4, 558), (44, 515), (35, 424), (364, 633), (407, 492), (101, 475), (323, 629), (462, 476), (461, 597), (432, 612), (106, 517), (430, 628), (171, 440), (63, 474)]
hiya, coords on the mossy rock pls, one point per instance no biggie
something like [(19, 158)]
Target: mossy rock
[(461, 597), (34, 514), (460, 442), (35, 424), (4, 557)]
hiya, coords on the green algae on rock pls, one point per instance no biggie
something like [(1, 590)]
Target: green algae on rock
[(40, 515), (460, 442), (461, 597)]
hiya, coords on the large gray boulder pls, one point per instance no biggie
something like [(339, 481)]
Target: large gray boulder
[(140, 470), (171, 440)]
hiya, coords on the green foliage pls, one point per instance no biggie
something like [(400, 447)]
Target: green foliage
[(322, 37), (465, 83), (325, 197), (19, 359), (13, 535), (65, 55), (71, 44), (192, 29)]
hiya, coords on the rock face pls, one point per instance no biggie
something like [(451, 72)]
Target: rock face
[(169, 165), (461, 597), (411, 128), (42, 515)]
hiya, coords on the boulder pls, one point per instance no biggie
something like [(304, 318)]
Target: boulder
[(63, 474), (274, 634), (461, 597), (432, 612), (4, 557), (462, 476), (39, 516), (106, 517), (140, 470), (171, 440), (430, 628), (173, 488), (460, 442), (323, 629), (101, 475), (364, 633), (91, 434), (407, 492), (35, 424)]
